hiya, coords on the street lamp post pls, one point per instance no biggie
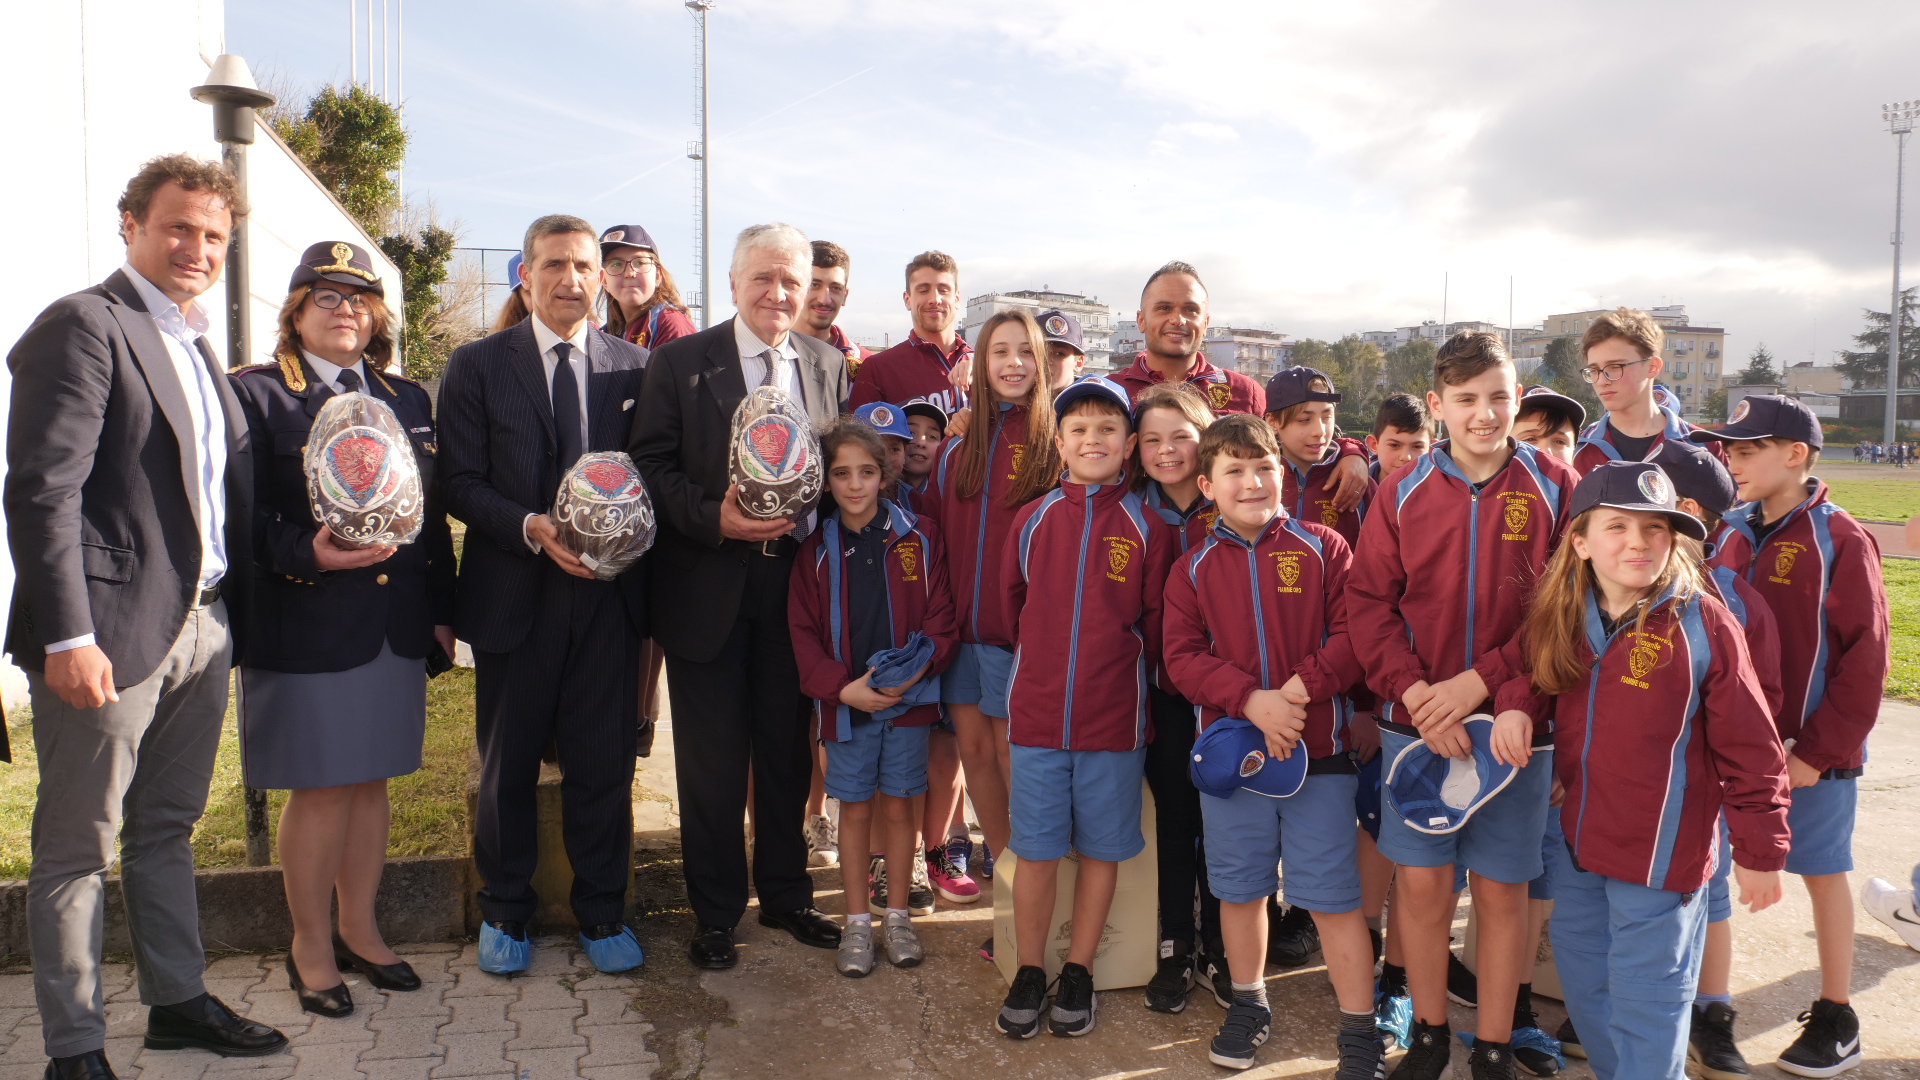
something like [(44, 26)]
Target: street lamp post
[(231, 91), (1899, 117), (702, 154)]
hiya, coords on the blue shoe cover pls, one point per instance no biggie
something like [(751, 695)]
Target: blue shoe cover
[(1527, 1038), (1394, 1017), (615, 954), (502, 955)]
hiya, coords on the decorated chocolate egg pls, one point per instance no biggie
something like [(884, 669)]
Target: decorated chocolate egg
[(362, 480), (603, 514), (775, 458)]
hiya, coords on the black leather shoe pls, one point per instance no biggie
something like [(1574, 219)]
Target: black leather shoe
[(712, 948), (91, 1065), (643, 745), (807, 925), (396, 976), (335, 1001), (205, 1023)]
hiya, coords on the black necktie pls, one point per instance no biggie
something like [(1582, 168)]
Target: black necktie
[(349, 381), (566, 408)]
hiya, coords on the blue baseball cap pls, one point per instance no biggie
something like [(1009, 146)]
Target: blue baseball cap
[(1633, 485), (1065, 329), (1546, 397), (891, 667), (1092, 386), (1766, 416), (1436, 795), (1294, 387), (1232, 754), (513, 270), (885, 419), (1697, 475), (632, 236)]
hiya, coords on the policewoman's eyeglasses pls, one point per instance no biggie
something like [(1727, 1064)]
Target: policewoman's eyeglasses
[(327, 300), (621, 267), (1610, 373)]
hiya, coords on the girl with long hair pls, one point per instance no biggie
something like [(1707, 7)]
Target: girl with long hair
[(1005, 460), (643, 303), (1660, 731)]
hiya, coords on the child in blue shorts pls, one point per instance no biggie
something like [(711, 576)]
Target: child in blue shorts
[(1256, 630), (871, 579), (1084, 571)]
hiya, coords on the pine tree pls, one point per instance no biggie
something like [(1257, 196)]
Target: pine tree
[(1760, 370), (1865, 368)]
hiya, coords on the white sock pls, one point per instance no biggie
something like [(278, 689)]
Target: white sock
[(900, 911), (864, 918)]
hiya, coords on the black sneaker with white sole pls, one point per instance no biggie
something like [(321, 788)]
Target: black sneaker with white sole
[(1026, 1000), (1243, 1031), (1292, 937), (1074, 1002), (1427, 1057), (1463, 986), (1570, 1040), (1711, 1046), (1167, 990), (1491, 1061), (1829, 1044), (1215, 973), (1362, 1057)]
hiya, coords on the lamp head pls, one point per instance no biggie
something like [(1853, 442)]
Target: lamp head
[(231, 91)]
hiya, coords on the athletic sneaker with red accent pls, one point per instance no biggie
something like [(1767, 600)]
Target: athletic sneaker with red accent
[(949, 880)]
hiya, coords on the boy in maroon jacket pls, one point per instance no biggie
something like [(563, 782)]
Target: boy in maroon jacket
[(1256, 629), (1439, 584), (1094, 560), (1819, 571)]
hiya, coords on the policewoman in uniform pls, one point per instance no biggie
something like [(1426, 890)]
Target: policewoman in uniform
[(333, 690)]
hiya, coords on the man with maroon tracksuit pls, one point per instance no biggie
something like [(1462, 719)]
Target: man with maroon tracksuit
[(934, 360)]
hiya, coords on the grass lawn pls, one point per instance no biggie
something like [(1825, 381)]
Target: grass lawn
[(1903, 601), (1878, 500), (429, 806)]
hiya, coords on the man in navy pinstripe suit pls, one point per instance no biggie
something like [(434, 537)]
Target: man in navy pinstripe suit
[(556, 652)]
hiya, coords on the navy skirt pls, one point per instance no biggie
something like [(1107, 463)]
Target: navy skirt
[(333, 728)]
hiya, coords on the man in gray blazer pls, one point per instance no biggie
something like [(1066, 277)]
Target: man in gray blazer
[(718, 595), (128, 499)]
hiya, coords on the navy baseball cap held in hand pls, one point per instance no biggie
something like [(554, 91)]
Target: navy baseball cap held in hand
[(632, 236), (1294, 386), (1092, 386), (1232, 754), (891, 667), (1436, 795), (1634, 485), (1766, 416), (1065, 329), (885, 419), (1697, 475), (1546, 397)]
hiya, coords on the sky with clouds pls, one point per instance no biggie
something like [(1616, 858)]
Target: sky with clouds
[(1324, 165)]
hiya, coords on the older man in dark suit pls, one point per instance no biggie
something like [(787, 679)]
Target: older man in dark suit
[(719, 593), (128, 496), (556, 651)]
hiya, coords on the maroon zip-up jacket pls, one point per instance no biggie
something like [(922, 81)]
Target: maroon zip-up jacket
[(914, 368), (975, 530), (1243, 617), (1668, 731), (1308, 494), (1085, 574), (1225, 391), (1819, 571), (917, 598), (1443, 572)]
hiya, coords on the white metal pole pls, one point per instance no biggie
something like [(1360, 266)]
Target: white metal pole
[(1893, 311), (353, 42), (384, 72), (369, 46)]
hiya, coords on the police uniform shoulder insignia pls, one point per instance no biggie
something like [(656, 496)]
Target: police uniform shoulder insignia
[(381, 378), (292, 370)]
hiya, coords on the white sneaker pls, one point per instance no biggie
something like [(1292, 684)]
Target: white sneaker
[(1892, 906), (823, 841)]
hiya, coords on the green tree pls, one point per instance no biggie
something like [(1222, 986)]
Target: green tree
[(1866, 367), (1313, 353), (427, 337), (1355, 366), (1761, 372), (1410, 368), (1715, 407), (1560, 369)]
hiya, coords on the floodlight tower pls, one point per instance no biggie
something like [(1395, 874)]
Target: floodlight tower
[(1899, 117), (701, 153)]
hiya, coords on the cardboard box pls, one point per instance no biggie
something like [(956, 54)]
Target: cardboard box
[(1129, 950)]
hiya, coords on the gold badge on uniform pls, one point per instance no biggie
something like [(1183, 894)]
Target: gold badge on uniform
[(1119, 555), (1517, 514), (1329, 514), (1643, 657), (909, 561), (1019, 455), (1220, 394), (1783, 557), (1286, 566)]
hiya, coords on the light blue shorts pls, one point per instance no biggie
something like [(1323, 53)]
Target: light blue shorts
[(978, 676), (879, 759), (1719, 895), (1821, 818), (1553, 847), (1249, 835), (1084, 800), (1501, 841)]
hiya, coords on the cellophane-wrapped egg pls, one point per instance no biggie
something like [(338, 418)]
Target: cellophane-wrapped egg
[(775, 458), (603, 514), (362, 480)]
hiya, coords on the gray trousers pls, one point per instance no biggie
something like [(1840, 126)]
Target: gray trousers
[(136, 769)]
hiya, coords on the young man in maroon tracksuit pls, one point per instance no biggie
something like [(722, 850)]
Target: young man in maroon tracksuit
[(934, 361), (1819, 570), (1439, 584), (1085, 570), (1623, 363)]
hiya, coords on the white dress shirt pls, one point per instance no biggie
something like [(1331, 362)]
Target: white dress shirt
[(753, 360), (329, 372), (179, 330), (549, 360)]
